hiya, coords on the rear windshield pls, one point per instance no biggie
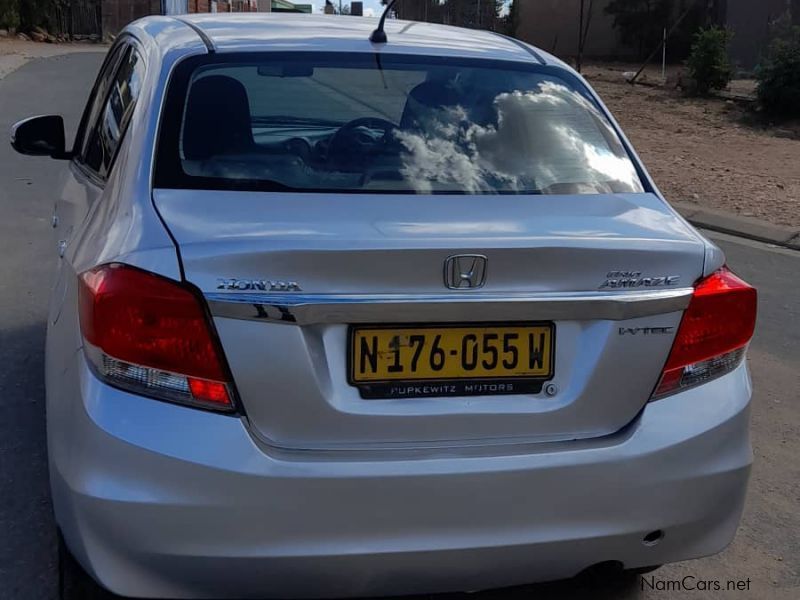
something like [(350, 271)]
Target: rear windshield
[(386, 123)]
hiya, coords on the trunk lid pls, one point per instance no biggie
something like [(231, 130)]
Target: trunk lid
[(286, 275)]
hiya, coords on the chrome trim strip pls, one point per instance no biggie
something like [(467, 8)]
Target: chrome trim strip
[(308, 309)]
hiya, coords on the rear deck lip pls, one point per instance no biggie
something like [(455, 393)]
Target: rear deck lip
[(313, 309)]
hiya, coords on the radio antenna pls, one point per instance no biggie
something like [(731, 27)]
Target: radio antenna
[(379, 35)]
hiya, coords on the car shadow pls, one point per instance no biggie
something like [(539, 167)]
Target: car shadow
[(28, 550), (595, 585)]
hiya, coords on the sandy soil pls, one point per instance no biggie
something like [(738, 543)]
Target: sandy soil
[(704, 151)]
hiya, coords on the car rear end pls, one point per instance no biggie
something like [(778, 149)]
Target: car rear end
[(436, 331)]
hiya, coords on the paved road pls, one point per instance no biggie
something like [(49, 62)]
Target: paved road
[(767, 549)]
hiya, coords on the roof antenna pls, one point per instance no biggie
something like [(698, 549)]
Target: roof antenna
[(379, 35)]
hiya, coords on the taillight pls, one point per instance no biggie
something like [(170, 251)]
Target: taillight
[(152, 336), (713, 335)]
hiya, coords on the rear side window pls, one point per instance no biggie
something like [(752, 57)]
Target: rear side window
[(388, 123), (115, 114), (98, 97)]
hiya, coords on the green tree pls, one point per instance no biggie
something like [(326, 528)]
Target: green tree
[(35, 13), (640, 23), (9, 14), (418, 10), (477, 14), (701, 14), (343, 9), (779, 75), (512, 18), (708, 64)]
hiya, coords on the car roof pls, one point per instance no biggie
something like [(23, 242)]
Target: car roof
[(251, 32)]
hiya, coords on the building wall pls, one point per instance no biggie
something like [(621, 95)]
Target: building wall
[(116, 14), (552, 25), (199, 6)]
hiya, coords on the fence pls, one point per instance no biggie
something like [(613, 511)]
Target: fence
[(77, 19), (93, 19)]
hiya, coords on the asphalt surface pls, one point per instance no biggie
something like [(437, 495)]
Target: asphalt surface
[(766, 551)]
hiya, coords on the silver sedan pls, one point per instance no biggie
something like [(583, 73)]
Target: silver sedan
[(343, 312)]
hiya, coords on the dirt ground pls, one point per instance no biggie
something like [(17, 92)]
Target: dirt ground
[(707, 151)]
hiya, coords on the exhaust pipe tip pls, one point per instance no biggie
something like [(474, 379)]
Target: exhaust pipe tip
[(653, 538)]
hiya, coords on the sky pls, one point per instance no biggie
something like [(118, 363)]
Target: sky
[(371, 7)]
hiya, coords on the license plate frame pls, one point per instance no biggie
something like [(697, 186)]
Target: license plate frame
[(449, 386)]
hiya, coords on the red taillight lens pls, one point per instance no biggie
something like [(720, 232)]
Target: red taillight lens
[(714, 332), (151, 335)]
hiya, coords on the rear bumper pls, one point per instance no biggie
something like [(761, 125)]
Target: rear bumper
[(158, 500)]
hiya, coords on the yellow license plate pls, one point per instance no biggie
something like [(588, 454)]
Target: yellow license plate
[(451, 353)]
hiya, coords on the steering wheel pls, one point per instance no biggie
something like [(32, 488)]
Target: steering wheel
[(353, 142)]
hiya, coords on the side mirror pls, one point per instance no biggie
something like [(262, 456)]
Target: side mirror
[(40, 136)]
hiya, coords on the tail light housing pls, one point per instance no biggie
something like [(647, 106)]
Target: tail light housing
[(152, 336), (714, 333)]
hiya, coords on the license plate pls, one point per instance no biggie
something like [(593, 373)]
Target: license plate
[(463, 359)]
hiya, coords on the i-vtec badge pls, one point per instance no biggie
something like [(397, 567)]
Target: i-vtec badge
[(260, 285), (646, 330), (634, 279)]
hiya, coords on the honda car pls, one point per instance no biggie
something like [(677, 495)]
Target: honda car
[(339, 314)]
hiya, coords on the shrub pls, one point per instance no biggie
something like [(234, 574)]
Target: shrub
[(709, 66), (779, 76)]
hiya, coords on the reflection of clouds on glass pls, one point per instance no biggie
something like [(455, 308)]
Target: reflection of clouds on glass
[(550, 139), (444, 148)]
